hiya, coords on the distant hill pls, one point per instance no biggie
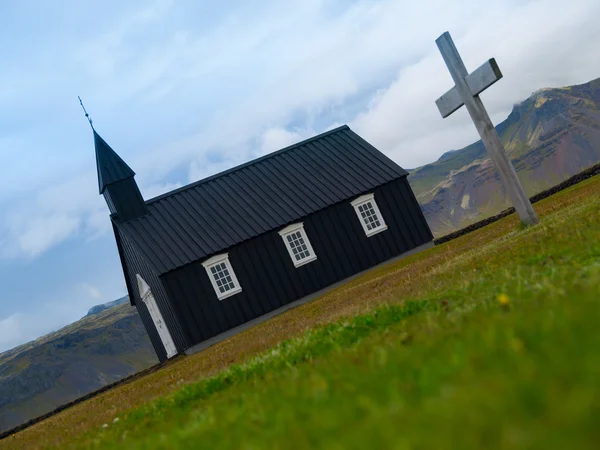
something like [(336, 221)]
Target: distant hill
[(97, 350), (104, 306), (551, 136)]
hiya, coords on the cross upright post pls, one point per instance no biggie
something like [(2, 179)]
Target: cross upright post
[(466, 92)]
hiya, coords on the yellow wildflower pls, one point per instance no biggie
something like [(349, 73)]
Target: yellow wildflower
[(503, 299)]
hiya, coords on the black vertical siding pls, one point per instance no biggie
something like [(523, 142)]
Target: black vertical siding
[(134, 264), (268, 277), (124, 199), (109, 202)]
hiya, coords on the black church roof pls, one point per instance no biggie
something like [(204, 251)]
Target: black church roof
[(111, 168), (211, 215)]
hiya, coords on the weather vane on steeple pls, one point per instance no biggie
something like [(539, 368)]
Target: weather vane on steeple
[(86, 113)]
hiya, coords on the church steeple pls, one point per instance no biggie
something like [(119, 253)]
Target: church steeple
[(111, 168), (116, 182)]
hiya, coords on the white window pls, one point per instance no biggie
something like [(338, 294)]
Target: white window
[(369, 215), (222, 276), (297, 244)]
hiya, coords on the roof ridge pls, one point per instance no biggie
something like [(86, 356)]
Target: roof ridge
[(247, 164)]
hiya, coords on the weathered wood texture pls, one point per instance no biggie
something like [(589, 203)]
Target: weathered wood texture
[(478, 81), (466, 90)]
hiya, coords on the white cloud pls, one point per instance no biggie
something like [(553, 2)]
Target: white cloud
[(37, 222), (155, 190), (92, 291), (59, 212), (534, 46), (97, 224), (38, 236), (203, 99), (277, 138), (200, 168)]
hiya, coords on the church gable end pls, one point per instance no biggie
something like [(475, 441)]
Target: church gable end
[(135, 268)]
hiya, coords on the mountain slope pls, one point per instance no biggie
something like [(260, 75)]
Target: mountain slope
[(551, 136), (62, 366), (104, 306)]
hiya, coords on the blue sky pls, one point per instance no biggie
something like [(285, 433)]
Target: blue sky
[(184, 89)]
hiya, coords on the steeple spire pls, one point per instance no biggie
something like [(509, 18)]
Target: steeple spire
[(87, 116), (111, 168), (116, 180)]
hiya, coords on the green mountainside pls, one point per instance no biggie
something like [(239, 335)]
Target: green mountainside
[(551, 136), (99, 349)]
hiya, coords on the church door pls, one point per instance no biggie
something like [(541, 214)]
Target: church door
[(157, 318)]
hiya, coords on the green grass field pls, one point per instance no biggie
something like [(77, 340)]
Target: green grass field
[(489, 341)]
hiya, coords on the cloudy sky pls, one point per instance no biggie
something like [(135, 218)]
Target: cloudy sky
[(184, 89)]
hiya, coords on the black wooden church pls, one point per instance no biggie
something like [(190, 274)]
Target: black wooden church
[(211, 256)]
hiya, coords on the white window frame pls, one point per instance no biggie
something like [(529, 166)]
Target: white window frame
[(294, 228), (361, 201), (218, 259)]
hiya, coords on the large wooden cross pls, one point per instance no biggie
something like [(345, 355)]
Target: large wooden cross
[(466, 92)]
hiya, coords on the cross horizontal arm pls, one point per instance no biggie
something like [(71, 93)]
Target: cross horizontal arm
[(449, 102), (478, 81), (482, 78)]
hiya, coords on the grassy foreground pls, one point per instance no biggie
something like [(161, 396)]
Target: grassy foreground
[(488, 341)]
